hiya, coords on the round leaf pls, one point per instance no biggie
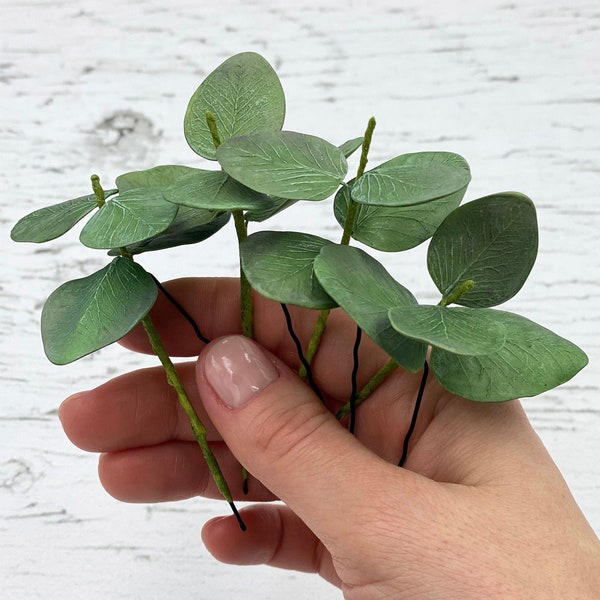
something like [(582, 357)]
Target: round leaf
[(366, 291), (492, 241), (245, 95), (191, 225), (279, 265), (161, 176), (215, 190), (532, 360), (413, 179), (129, 218), (397, 228), (51, 222), (262, 214), (84, 315), (349, 147), (460, 330), (285, 164)]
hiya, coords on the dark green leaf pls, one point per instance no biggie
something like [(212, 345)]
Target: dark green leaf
[(492, 241), (366, 291), (50, 222), (532, 360), (215, 190), (351, 146), (84, 315), (460, 330), (262, 214), (284, 164), (412, 179), (191, 225), (161, 176), (129, 218), (279, 265), (397, 228), (245, 95)]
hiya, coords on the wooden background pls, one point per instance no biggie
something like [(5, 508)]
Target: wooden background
[(102, 87)]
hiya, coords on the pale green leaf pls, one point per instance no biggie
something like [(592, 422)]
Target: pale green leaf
[(156, 177), (243, 93), (492, 241), (460, 330), (279, 265), (396, 228), (50, 222), (87, 314), (366, 291), (215, 190), (284, 164), (532, 360), (413, 179), (129, 218)]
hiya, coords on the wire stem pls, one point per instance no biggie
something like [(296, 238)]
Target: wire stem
[(372, 384), (415, 414), (352, 425), (309, 375)]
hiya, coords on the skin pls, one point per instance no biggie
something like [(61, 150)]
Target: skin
[(479, 511)]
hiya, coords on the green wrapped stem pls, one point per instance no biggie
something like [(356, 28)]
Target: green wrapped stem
[(197, 425)]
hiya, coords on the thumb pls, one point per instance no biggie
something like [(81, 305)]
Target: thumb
[(282, 434)]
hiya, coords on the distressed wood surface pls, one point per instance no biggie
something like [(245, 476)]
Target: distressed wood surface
[(102, 87)]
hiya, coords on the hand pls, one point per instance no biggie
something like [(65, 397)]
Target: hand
[(479, 511)]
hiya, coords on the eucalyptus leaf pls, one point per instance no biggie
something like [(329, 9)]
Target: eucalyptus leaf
[(285, 164), (259, 215), (245, 95), (84, 315), (161, 176), (349, 147), (532, 360), (492, 241), (397, 228), (457, 329), (215, 190), (366, 291), (50, 222), (413, 179), (191, 225), (129, 218), (279, 265)]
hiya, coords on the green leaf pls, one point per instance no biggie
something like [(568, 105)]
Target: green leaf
[(397, 228), (351, 146), (245, 95), (84, 315), (262, 214), (161, 176), (413, 179), (284, 164), (279, 265), (492, 241), (129, 218), (215, 190), (50, 222), (460, 330), (366, 291), (532, 360), (191, 225)]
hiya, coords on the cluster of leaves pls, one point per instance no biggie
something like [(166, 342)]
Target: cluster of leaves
[(479, 256)]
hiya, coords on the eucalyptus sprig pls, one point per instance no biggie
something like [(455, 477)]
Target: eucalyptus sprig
[(479, 256)]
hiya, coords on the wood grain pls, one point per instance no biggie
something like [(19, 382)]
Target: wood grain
[(102, 87)]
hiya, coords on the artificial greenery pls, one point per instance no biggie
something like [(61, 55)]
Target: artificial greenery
[(479, 256)]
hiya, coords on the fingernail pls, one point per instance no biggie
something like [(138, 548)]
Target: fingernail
[(237, 369)]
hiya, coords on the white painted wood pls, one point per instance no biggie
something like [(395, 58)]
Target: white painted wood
[(102, 87)]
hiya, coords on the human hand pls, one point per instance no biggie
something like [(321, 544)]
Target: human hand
[(479, 511)]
